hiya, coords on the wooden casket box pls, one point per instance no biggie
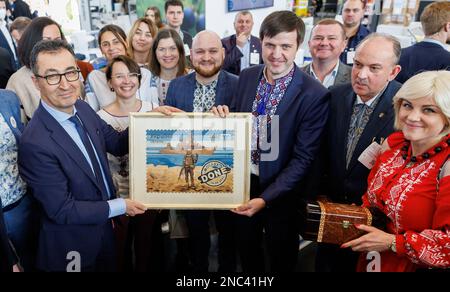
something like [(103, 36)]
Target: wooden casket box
[(335, 223)]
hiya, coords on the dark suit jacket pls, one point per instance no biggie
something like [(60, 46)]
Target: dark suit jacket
[(423, 56), (187, 38), (348, 185), (344, 73), (6, 67), (233, 55), (21, 9), (303, 112), (181, 91), (74, 207), (4, 44)]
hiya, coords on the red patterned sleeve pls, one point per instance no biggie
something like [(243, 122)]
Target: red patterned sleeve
[(431, 247)]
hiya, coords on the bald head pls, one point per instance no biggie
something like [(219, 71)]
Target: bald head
[(206, 36), (207, 53)]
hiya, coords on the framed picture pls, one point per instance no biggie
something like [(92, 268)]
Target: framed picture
[(190, 160), (237, 5)]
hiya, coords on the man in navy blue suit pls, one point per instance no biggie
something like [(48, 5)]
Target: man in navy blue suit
[(200, 91), (361, 117), (431, 53), (242, 49), (62, 157), (290, 110)]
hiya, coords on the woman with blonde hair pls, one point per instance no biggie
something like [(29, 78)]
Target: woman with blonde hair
[(410, 181), (140, 40)]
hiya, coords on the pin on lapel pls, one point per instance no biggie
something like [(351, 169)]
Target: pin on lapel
[(381, 115)]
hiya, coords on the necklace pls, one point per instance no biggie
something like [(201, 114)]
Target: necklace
[(407, 151)]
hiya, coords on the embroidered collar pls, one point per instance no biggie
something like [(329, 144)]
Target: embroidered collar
[(439, 147)]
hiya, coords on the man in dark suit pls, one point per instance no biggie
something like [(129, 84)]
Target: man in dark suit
[(242, 49), (62, 158), (174, 17), (6, 40), (352, 15), (431, 53), (326, 44), (361, 115), (6, 68), (290, 110), (200, 91)]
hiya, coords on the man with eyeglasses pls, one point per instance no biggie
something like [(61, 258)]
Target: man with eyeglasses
[(62, 157)]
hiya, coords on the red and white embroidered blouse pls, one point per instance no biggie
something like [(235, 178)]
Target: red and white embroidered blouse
[(417, 203)]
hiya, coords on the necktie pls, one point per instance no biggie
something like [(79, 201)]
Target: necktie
[(355, 130), (87, 144)]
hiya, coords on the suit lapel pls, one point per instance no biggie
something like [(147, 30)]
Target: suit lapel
[(342, 75), (250, 93), (189, 95), (378, 120), (221, 89), (94, 134), (347, 110), (291, 93), (60, 137)]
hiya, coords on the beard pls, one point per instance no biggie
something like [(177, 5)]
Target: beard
[(208, 73)]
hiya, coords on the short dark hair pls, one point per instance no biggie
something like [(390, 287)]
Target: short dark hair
[(167, 33), (47, 46), (282, 21), (132, 66), (173, 3), (363, 2), (32, 35)]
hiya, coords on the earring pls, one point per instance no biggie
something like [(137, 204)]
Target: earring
[(112, 89)]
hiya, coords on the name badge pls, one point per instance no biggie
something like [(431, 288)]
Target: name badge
[(350, 57), (254, 59), (370, 155), (187, 51), (13, 122)]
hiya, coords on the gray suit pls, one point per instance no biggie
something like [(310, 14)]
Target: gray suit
[(343, 74)]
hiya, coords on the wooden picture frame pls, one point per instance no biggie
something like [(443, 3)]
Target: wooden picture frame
[(190, 160)]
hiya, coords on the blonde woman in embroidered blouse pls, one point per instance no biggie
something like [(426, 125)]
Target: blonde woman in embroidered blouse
[(410, 181)]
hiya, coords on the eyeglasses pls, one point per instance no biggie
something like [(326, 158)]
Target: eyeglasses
[(54, 79), (129, 76)]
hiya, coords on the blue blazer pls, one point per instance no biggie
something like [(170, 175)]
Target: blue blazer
[(181, 91), (303, 113), (348, 185), (74, 209), (423, 56), (233, 55), (4, 44)]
